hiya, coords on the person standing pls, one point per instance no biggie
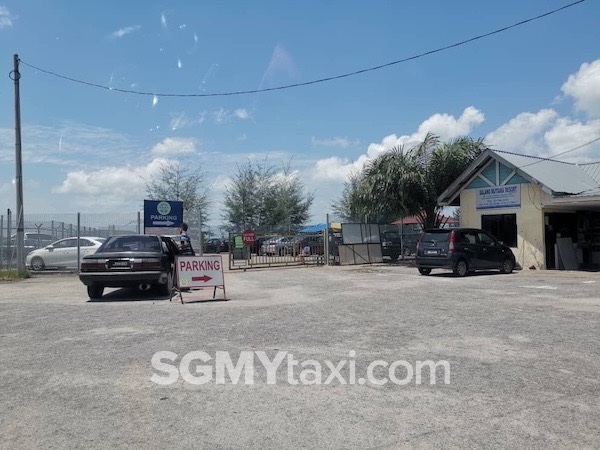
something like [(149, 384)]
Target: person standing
[(185, 244)]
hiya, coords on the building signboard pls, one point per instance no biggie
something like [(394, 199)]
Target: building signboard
[(508, 196)]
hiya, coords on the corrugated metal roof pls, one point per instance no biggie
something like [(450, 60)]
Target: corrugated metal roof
[(590, 193), (592, 169), (560, 177), (413, 220)]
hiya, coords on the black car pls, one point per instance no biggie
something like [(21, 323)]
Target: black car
[(462, 250), (142, 261), (225, 245), (393, 245), (216, 245), (213, 245)]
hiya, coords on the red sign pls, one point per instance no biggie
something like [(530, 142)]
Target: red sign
[(249, 237)]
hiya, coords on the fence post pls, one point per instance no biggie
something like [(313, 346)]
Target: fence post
[(326, 241), (78, 241), (1, 238), (8, 246)]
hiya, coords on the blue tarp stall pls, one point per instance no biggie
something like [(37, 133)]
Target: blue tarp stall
[(318, 228), (314, 228)]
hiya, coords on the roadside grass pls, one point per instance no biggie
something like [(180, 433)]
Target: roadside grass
[(12, 275)]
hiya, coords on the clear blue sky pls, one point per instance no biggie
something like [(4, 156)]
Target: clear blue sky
[(533, 89)]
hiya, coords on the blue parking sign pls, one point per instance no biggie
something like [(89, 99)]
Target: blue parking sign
[(163, 213)]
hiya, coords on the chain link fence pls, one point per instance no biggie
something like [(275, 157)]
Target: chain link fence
[(43, 229)]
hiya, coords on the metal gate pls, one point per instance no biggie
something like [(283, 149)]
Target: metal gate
[(277, 250)]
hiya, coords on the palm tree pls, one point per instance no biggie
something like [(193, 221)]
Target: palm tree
[(408, 182), (350, 207)]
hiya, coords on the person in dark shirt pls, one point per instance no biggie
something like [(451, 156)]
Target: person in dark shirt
[(185, 244)]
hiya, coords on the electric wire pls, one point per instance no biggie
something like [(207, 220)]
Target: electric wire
[(551, 158), (317, 81)]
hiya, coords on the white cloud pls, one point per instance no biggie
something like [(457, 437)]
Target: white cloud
[(181, 120), (584, 87), (125, 31), (68, 143), (546, 134), (523, 133), (336, 168), (445, 126), (342, 142), (109, 187), (6, 18), (241, 113), (220, 184), (567, 134), (174, 146), (223, 115)]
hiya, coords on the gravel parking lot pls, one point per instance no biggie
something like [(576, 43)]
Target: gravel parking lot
[(523, 351)]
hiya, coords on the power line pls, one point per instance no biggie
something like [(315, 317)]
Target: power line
[(320, 80), (561, 153)]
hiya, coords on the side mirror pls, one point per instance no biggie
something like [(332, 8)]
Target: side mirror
[(50, 248)]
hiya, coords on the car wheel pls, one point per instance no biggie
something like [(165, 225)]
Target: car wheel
[(37, 263), (394, 256), (461, 269), (167, 288), (95, 291), (424, 271), (507, 266)]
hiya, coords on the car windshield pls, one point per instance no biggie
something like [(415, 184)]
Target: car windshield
[(130, 244), (440, 236)]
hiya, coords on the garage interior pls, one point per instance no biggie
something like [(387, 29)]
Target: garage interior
[(582, 227)]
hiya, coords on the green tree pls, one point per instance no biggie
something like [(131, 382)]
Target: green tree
[(181, 180), (265, 200), (247, 195), (352, 205), (403, 182), (288, 203)]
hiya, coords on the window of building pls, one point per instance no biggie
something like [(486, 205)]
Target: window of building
[(501, 226)]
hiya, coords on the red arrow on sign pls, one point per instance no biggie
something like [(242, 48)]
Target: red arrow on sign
[(204, 278)]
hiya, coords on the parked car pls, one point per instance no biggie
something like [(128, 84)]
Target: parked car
[(392, 245), (462, 250), (224, 245), (278, 246), (142, 261), (213, 245), (257, 247), (62, 253), (32, 240), (216, 245)]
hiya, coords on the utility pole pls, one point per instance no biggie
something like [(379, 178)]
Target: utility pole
[(15, 76)]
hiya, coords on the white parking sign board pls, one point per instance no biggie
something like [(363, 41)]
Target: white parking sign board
[(195, 272)]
